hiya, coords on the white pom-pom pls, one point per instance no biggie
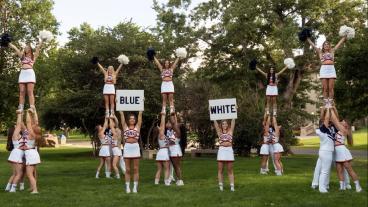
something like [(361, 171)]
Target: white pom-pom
[(181, 52), (123, 59), (347, 31), (289, 62), (45, 35)]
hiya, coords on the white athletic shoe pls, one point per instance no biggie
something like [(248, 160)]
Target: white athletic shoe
[(34, 192), (221, 188), (179, 183), (348, 186), (21, 186), (135, 190), (12, 190), (8, 186), (314, 187), (172, 179), (232, 189), (157, 181), (323, 191), (358, 189), (127, 190)]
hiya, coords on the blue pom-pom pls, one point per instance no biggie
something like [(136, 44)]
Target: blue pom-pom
[(253, 64), (151, 53), (94, 60), (304, 34), (5, 40)]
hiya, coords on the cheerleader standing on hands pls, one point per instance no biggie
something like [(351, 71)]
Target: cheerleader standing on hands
[(132, 152), (162, 158), (225, 154)]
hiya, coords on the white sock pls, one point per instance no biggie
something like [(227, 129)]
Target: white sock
[(357, 183), (118, 176), (8, 186), (13, 188), (278, 172), (21, 186), (167, 181), (221, 186), (135, 187), (97, 174), (342, 185), (157, 181), (21, 107), (232, 188), (108, 174)]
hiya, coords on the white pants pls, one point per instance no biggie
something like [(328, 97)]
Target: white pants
[(324, 175), (317, 171)]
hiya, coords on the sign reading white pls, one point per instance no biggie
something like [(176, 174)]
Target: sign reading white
[(129, 100), (223, 109)]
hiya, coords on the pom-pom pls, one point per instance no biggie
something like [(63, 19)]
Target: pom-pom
[(123, 59), (94, 60), (5, 40), (304, 34), (289, 62), (181, 52), (151, 54), (253, 64), (349, 32), (45, 35)]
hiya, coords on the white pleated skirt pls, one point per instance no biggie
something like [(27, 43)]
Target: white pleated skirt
[(163, 154), (27, 76), (167, 87), (109, 89), (132, 150), (327, 71), (272, 91), (32, 157), (225, 154), (16, 156)]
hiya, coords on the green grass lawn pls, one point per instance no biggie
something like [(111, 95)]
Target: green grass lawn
[(66, 178), (360, 138)]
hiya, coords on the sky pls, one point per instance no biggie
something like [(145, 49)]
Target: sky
[(72, 13)]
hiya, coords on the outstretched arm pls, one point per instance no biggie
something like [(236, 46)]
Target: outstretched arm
[(261, 71), (218, 130), (18, 125), (38, 49), (281, 71), (112, 127), (277, 128), (175, 64), (17, 51), (104, 127), (139, 122), (29, 124), (232, 126), (174, 123), (337, 123), (102, 69), (162, 125), (342, 40), (313, 45), (122, 119), (157, 62), (119, 68)]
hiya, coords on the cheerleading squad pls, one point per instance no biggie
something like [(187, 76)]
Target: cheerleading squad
[(332, 132)]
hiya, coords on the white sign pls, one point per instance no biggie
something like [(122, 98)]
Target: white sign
[(129, 100), (223, 109)]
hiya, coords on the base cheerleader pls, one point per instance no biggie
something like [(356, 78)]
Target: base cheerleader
[(162, 158), (115, 145), (277, 147), (343, 156), (105, 136), (173, 134), (132, 152), (225, 154)]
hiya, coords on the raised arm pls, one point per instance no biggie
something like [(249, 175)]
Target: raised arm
[(17, 51), (157, 62), (232, 126), (102, 69), (112, 127), (29, 124), (139, 122), (337, 123), (261, 71), (104, 127), (38, 49), (313, 45), (162, 125), (281, 71), (175, 64), (342, 40), (123, 121), (175, 125), (119, 68), (18, 126), (326, 120), (218, 130)]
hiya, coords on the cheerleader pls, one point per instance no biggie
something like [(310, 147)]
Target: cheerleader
[(116, 145), (343, 156), (17, 154), (277, 147), (104, 135), (162, 158), (167, 86), (173, 134), (27, 77), (225, 154), (327, 73), (110, 77), (132, 152), (31, 154), (272, 90), (265, 148)]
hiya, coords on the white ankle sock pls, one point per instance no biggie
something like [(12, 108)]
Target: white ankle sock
[(13, 188), (232, 187), (107, 174), (8, 186), (221, 186), (21, 186), (157, 181)]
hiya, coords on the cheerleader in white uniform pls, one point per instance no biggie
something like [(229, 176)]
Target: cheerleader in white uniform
[(272, 90), (343, 156), (277, 147), (27, 77), (162, 157), (173, 134), (167, 86), (327, 73), (265, 148), (132, 152), (110, 77), (17, 154), (116, 145), (104, 135), (225, 154)]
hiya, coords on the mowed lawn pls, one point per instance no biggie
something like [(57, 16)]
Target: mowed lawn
[(66, 178), (360, 139)]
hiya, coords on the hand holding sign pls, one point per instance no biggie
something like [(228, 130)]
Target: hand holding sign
[(130, 100), (223, 109)]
